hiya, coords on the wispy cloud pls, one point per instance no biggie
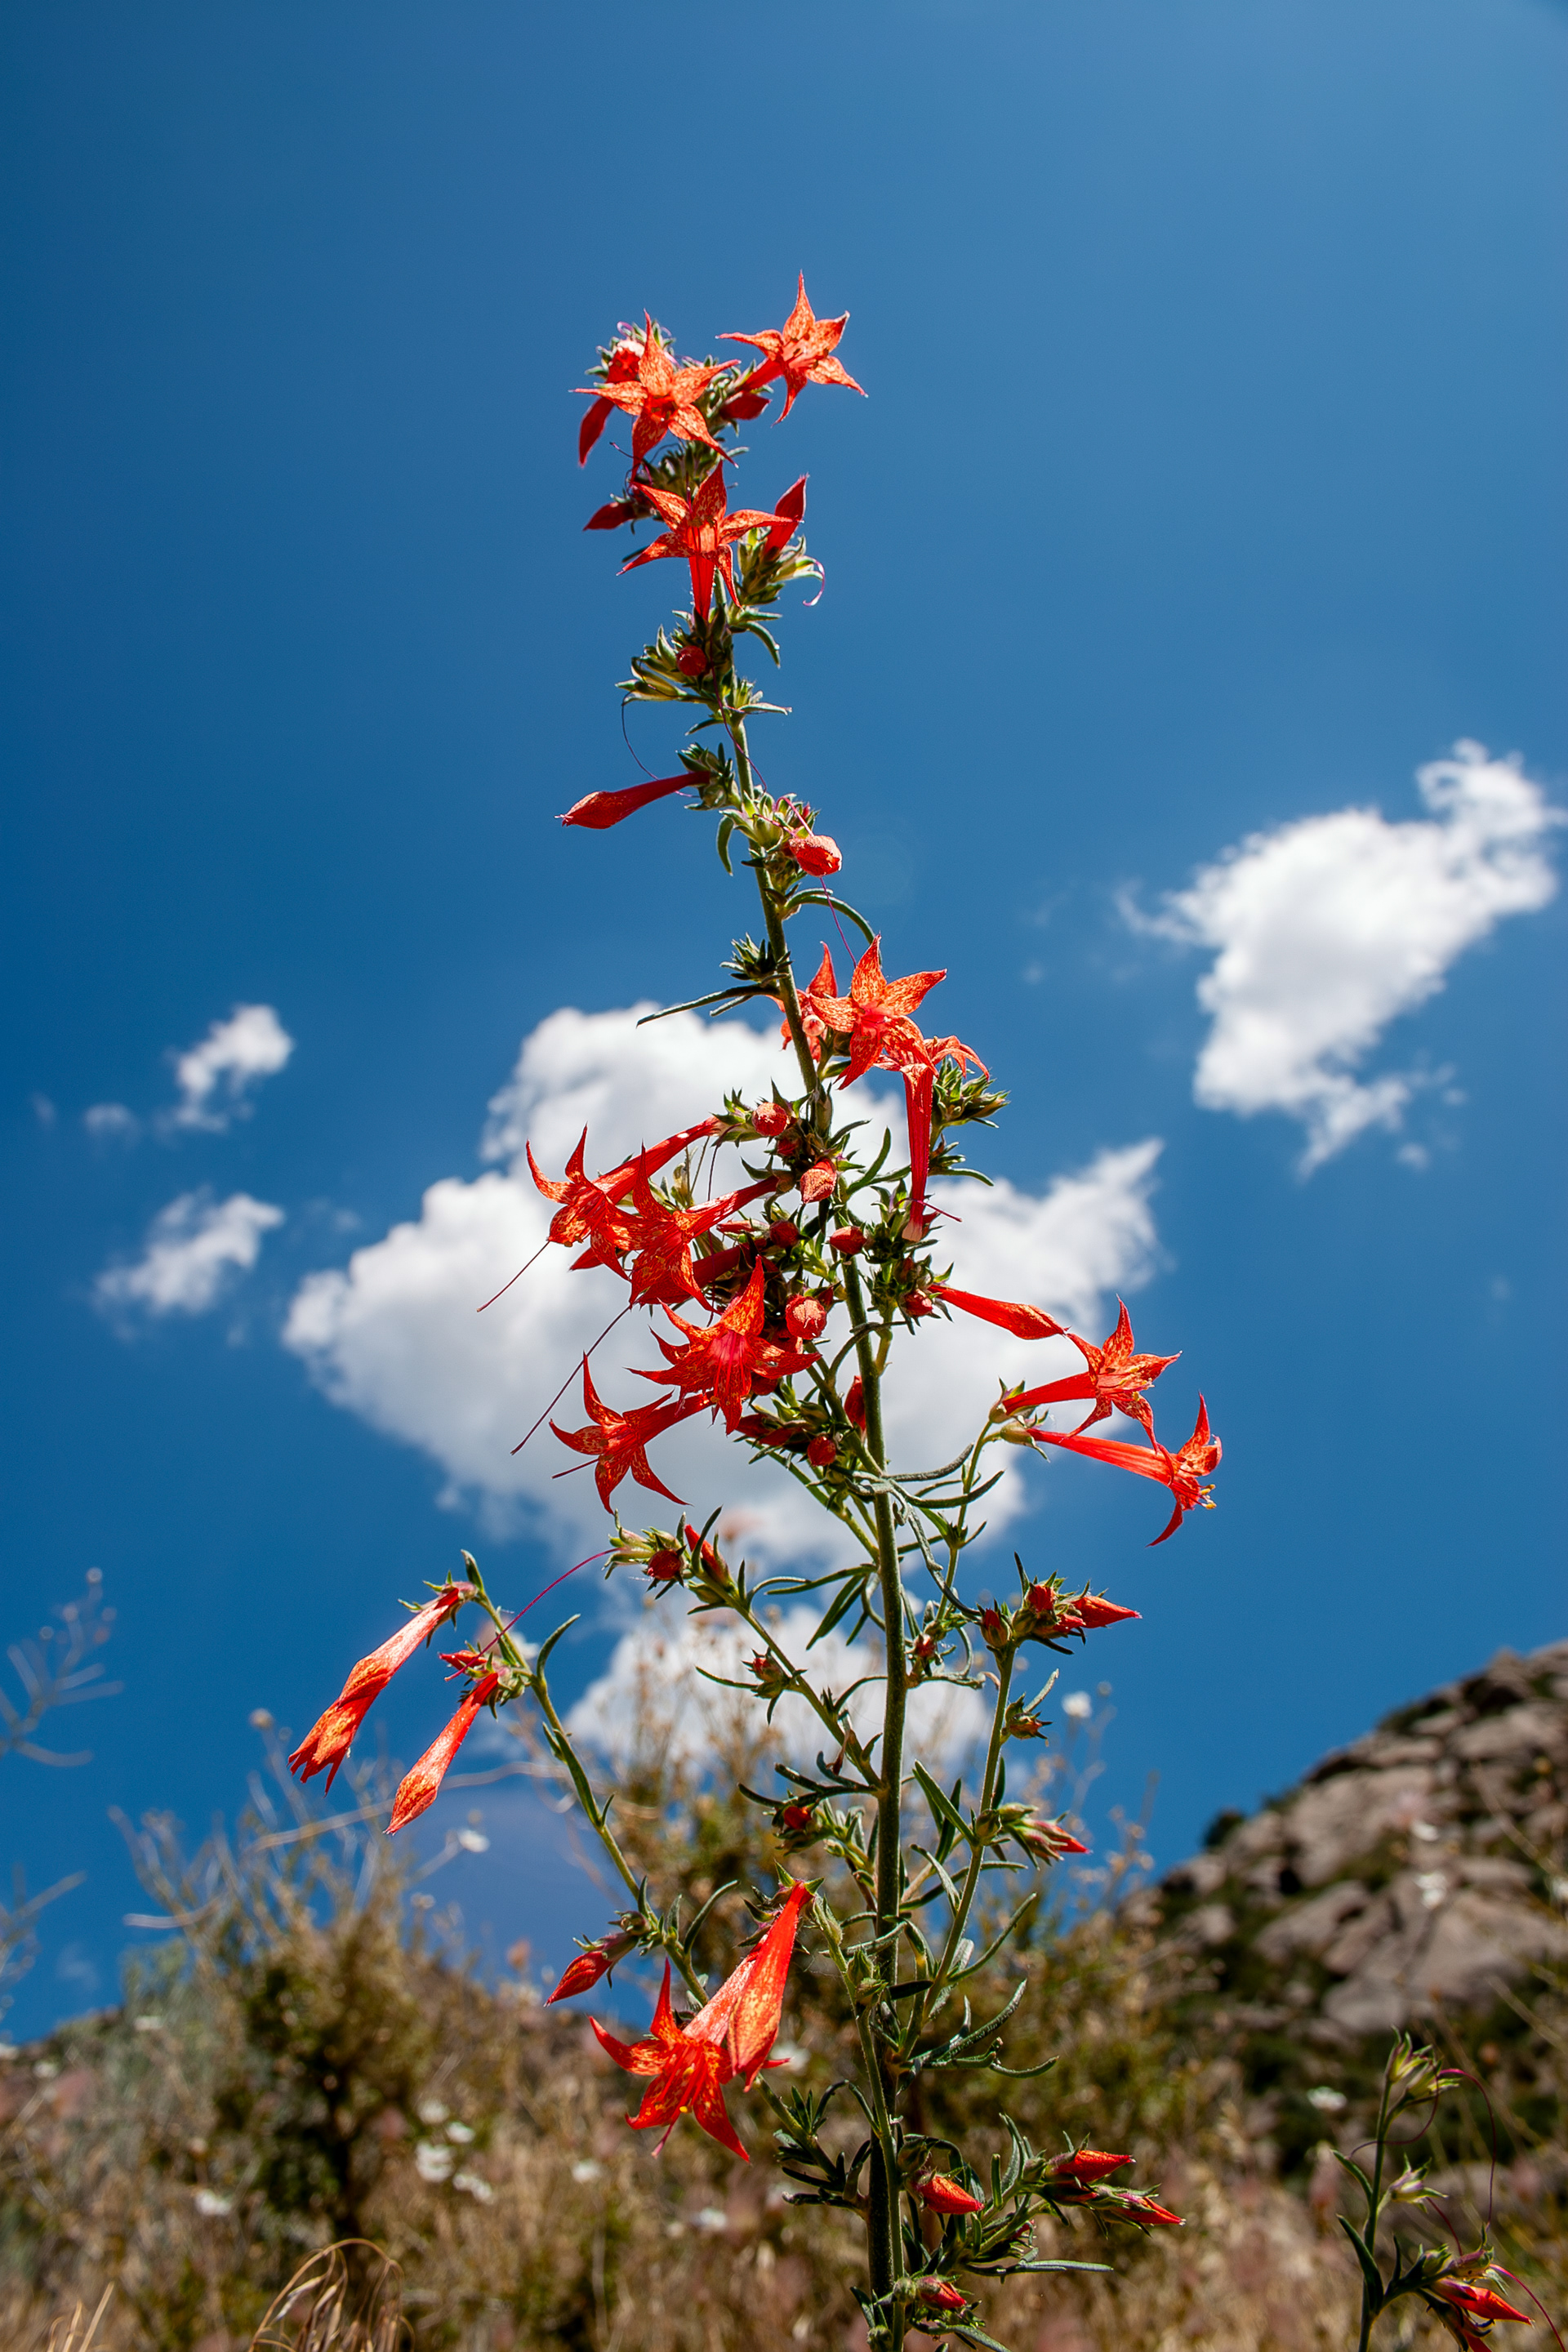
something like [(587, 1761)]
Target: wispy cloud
[(395, 1337), (214, 1076), (1328, 928), (194, 1248), (110, 1123)]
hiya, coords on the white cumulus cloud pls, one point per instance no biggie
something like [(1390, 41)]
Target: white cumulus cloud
[(1328, 929), (194, 1247), (395, 1336), (215, 1075)]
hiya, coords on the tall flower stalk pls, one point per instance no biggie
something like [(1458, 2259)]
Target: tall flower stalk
[(776, 1305)]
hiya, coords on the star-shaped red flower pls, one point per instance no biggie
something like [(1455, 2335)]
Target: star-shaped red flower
[(702, 530), (1115, 1379), (723, 1362), (1183, 1472), (620, 1440), (801, 351), (661, 1270), (661, 397)]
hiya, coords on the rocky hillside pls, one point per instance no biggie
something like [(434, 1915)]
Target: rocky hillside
[(1415, 1878)]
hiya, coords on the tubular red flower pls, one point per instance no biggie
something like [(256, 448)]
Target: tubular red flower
[(730, 2037), (791, 513), (945, 2195), (617, 1442), (815, 853), (701, 531), (417, 1790), (1087, 2164), (944, 2294), (723, 1362), (654, 391), (1477, 2302), (1115, 1379), (590, 1966), (1024, 1322), (613, 514), (328, 1741), (801, 351), (1138, 2208), (1183, 1472), (1050, 1840), (599, 811), (1092, 1611)]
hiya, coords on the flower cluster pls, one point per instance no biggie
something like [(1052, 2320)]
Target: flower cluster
[(780, 1261)]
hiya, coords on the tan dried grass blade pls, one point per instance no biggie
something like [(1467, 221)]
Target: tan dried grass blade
[(312, 2313)]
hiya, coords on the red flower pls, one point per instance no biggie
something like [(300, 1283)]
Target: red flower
[(1087, 2164), (743, 403), (1116, 1378), (800, 350), (816, 853), (703, 531), (622, 368), (791, 513), (599, 811), (654, 391), (731, 2036), (723, 1362), (614, 512), (328, 1741), (661, 1239), (417, 1790), (620, 1440), (588, 1202), (589, 1966), (1183, 1471), (874, 1019), (1077, 1612), (1481, 2304), (1024, 1322), (943, 2195)]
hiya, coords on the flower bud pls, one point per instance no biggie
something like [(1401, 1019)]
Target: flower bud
[(945, 2195), (591, 1965), (918, 1305), (944, 2294), (691, 661), (816, 853), (784, 1232), (848, 1241), (855, 1403), (805, 1316), (796, 1819), (772, 1118), (994, 1630), (665, 1568), (822, 1452), (818, 1180)]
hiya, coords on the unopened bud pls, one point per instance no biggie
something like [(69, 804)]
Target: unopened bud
[(847, 1240), (822, 1452)]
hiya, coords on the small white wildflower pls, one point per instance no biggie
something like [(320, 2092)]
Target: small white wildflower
[(214, 2207), (711, 2218), (585, 2170), (1323, 2096), (432, 2111), (473, 2186), (473, 1841), (433, 2161), (461, 2133), (1078, 1706), (1425, 1830)]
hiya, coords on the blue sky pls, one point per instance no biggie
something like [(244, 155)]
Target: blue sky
[(1210, 484)]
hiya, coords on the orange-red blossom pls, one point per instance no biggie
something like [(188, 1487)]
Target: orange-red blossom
[(723, 1361), (1114, 1379), (418, 1789), (801, 351), (1469, 2309), (1183, 1472), (730, 2037), (328, 1741), (945, 2195), (660, 397), (703, 531)]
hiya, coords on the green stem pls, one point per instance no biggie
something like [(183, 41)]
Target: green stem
[(966, 1903)]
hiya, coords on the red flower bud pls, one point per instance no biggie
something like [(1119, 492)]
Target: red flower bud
[(611, 517), (855, 1403), (796, 1819), (1087, 2164), (790, 513), (943, 2195), (588, 1966), (772, 1118), (817, 1182), (1092, 1610), (821, 1452), (918, 1305), (805, 1316), (784, 1232), (1048, 1840), (846, 1240), (945, 2297), (599, 810), (664, 1568), (816, 853), (1143, 2209), (691, 661), (994, 1629)]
